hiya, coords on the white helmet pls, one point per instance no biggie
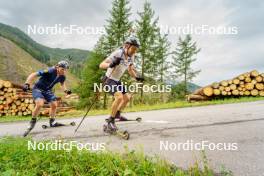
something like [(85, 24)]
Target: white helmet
[(63, 64)]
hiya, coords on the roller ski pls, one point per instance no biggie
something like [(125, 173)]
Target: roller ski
[(111, 129), (54, 124), (32, 124), (138, 119), (120, 118)]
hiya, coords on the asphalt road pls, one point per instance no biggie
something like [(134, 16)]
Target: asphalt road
[(236, 129)]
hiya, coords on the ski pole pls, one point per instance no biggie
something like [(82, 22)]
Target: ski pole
[(94, 101)]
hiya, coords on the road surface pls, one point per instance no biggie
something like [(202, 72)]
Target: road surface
[(240, 126)]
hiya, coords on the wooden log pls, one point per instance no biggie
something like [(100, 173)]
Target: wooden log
[(206, 91), (221, 88), (224, 93), (241, 93), (217, 92), (259, 86), (253, 81), (236, 81), (259, 78), (31, 107), (227, 89), (233, 86), (261, 93), (249, 86), (224, 83), (241, 77), (248, 80), (7, 84), (230, 82), (24, 96), (235, 92), (193, 97), (215, 85), (1, 84), (254, 92), (254, 73)]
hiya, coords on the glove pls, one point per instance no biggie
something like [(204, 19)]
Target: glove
[(115, 62), (68, 92), (26, 87), (140, 79)]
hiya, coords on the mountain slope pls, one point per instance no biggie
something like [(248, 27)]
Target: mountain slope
[(16, 64), (42, 53)]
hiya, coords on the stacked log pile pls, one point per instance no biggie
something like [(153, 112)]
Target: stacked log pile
[(246, 84), (14, 101)]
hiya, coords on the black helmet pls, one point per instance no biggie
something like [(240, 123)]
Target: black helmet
[(63, 64), (133, 41)]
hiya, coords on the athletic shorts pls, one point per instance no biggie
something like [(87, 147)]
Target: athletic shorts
[(112, 86), (47, 95)]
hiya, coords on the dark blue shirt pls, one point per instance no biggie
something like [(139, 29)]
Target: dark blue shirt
[(48, 78)]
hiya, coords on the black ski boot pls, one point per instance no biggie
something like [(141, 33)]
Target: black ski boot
[(32, 124), (55, 124), (111, 125), (120, 117)]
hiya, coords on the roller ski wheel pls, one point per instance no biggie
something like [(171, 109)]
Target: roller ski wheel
[(122, 134), (58, 125), (138, 119)]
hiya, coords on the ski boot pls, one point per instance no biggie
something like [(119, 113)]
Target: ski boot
[(32, 124), (55, 124), (110, 127), (120, 117)]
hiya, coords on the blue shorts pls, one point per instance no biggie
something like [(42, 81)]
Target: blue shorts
[(47, 95), (114, 86)]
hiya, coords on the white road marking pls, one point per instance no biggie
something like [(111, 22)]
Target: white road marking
[(156, 121)]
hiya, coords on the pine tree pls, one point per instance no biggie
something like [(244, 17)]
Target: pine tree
[(161, 54), (118, 25), (183, 57), (147, 34)]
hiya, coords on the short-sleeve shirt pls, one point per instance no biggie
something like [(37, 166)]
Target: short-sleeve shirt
[(122, 67), (48, 78)]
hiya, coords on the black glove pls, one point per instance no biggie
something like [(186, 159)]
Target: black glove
[(26, 87), (140, 79), (116, 61), (68, 92)]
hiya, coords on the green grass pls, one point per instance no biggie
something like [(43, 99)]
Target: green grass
[(145, 107), (16, 159)]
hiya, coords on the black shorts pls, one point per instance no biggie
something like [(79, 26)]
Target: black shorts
[(112, 86)]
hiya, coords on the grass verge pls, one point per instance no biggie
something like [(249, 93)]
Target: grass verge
[(144, 107), (16, 159)]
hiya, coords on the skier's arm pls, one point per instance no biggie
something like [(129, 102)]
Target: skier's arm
[(105, 64), (132, 71), (65, 90), (31, 77), (63, 86)]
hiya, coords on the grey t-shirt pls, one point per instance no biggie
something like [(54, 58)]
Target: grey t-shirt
[(120, 69)]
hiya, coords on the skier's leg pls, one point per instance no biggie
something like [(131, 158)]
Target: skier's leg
[(118, 99), (126, 99), (53, 109), (117, 102), (39, 103)]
